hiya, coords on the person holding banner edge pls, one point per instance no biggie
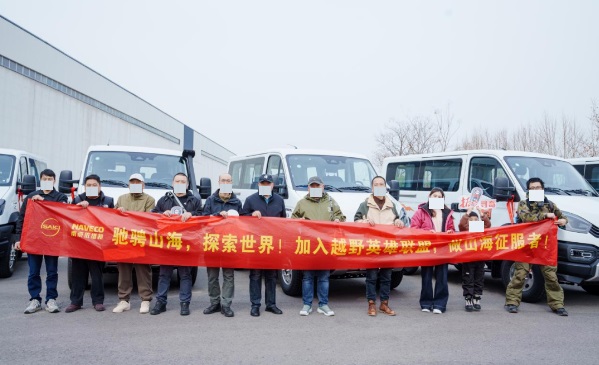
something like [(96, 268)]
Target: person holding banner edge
[(534, 208), (82, 268), (34, 281), (379, 209), (222, 202), (436, 217), (264, 203), (179, 202)]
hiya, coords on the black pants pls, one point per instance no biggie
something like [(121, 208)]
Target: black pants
[(81, 269), (473, 277)]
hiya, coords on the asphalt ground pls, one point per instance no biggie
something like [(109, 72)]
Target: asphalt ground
[(491, 336)]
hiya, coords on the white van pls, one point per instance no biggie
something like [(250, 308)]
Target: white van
[(501, 174), (347, 178), (15, 165), (115, 164), (589, 168)]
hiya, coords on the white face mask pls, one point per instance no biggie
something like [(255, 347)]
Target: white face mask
[(536, 195), (135, 188), (264, 190), (476, 226), (226, 188), (379, 191), (46, 185), (315, 193), (179, 188), (91, 191), (436, 203)]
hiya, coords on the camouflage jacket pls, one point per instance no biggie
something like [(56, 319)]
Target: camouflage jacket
[(530, 211)]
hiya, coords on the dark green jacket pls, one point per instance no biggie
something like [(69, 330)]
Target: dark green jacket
[(323, 209)]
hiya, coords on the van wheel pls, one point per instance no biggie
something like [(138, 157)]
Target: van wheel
[(533, 290), (7, 262), (396, 278), (410, 270), (291, 282), (591, 289)]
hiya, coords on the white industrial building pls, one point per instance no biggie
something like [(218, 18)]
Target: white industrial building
[(56, 107)]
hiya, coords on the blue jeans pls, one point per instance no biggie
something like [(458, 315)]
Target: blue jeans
[(164, 282), (371, 277), (270, 287), (322, 287), (438, 300), (34, 281)]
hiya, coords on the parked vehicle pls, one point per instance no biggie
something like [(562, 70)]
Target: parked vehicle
[(588, 168), (16, 167), (502, 175), (347, 178), (114, 165)]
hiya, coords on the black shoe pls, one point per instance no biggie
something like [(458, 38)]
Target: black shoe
[(184, 308), (511, 308), (561, 312), (255, 312), (227, 311), (212, 309), (476, 303), (159, 307), (274, 310), (469, 307)]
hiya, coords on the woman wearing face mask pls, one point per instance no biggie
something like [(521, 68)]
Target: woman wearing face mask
[(435, 217)]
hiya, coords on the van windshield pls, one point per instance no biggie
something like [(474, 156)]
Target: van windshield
[(7, 166), (339, 173), (115, 168), (560, 177)]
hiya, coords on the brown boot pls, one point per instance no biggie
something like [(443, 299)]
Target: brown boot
[(371, 308), (385, 308)]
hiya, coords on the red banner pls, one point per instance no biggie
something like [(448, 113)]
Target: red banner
[(269, 243)]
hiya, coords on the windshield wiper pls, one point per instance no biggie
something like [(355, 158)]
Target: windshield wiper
[(159, 185), (114, 182), (331, 188), (584, 192), (556, 190), (356, 188)]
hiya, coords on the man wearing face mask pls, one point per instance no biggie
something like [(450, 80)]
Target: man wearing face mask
[(319, 206), (135, 201), (534, 208), (82, 268), (168, 205), (220, 203), (264, 203), (34, 281), (379, 209)]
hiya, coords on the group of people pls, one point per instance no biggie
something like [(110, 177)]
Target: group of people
[(318, 205)]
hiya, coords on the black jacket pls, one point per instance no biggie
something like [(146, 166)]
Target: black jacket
[(102, 201), (214, 204), (53, 196), (274, 208), (191, 204)]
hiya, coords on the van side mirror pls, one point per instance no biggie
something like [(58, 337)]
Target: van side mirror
[(205, 187), (503, 191), (65, 181), (280, 187), (394, 189), (28, 185)]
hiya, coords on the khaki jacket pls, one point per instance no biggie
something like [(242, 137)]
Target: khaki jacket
[(141, 203)]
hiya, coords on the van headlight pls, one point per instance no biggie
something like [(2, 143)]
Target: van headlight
[(576, 223)]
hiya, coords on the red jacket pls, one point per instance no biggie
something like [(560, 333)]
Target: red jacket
[(422, 219)]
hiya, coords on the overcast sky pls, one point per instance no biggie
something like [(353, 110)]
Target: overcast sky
[(331, 74)]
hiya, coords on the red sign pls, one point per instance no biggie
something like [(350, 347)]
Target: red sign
[(269, 243)]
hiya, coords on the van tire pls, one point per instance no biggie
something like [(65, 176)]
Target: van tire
[(591, 289), (534, 287), (396, 278), (291, 282), (410, 270), (7, 263)]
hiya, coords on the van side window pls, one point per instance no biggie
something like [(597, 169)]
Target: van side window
[(275, 168), (33, 170), (592, 173), (246, 173), (482, 174), (23, 170), (444, 174), (406, 173)]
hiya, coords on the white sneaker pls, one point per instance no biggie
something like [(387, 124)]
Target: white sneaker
[(306, 309), (326, 310), (34, 306), (437, 311), (52, 307), (426, 310), (145, 307), (121, 307)]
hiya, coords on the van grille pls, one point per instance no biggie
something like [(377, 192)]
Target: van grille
[(594, 231)]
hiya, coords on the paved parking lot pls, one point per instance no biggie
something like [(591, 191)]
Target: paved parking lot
[(493, 336)]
